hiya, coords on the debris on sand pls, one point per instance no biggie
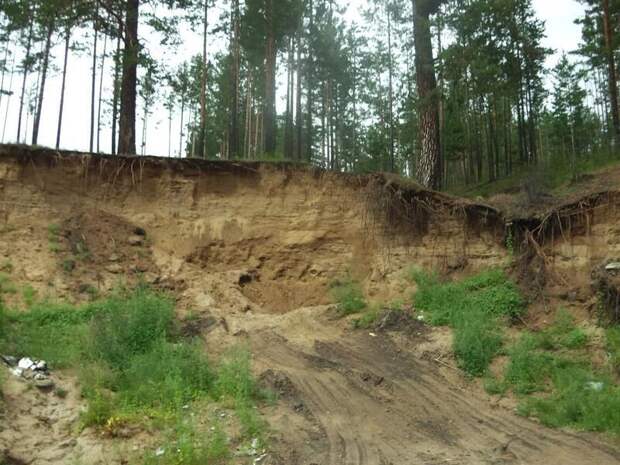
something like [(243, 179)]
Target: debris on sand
[(252, 451), (26, 368)]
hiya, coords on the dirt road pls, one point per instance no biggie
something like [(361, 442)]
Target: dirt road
[(367, 400)]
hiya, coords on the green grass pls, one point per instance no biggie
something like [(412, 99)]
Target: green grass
[(188, 445), (551, 374), (29, 294), (6, 285), (132, 363), (368, 318), (474, 308), (613, 348), (349, 296)]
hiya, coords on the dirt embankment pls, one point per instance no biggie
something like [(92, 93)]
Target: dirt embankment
[(281, 232), (249, 250)]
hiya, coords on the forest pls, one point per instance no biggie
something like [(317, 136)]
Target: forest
[(452, 93)]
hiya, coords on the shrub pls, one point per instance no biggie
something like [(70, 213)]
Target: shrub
[(477, 340), (612, 343), (527, 370), (472, 307), (577, 401), (166, 378), (349, 296), (123, 328)]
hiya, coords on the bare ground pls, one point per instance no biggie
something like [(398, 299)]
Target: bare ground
[(250, 258)]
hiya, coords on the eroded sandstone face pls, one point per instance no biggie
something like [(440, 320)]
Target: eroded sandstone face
[(290, 230)]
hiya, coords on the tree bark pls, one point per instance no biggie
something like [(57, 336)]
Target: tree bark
[(611, 66), (63, 86), (93, 83), (269, 113), (298, 115), (129, 81), (391, 89), (288, 128), (100, 100), (24, 80), (46, 60), (203, 82), (8, 102), (309, 86), (115, 96), (429, 161), (233, 126), (4, 68)]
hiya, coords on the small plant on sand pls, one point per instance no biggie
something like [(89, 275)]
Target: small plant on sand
[(188, 445), (6, 285), (53, 237), (348, 295)]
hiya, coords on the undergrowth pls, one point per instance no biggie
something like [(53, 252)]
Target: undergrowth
[(133, 367), (551, 373), (474, 308), (555, 175), (348, 295)]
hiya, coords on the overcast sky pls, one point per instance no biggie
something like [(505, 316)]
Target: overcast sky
[(562, 35)]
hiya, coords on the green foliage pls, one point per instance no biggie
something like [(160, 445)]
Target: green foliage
[(489, 294), (6, 285), (165, 378), (188, 445), (472, 307), (577, 401), (131, 362), (6, 266), (367, 319), (558, 386), (235, 382), (612, 339), (125, 328), (349, 296), (477, 340), (29, 294), (53, 237)]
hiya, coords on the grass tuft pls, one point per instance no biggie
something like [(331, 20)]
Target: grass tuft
[(473, 308), (349, 296)]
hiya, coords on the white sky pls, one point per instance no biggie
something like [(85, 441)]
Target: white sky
[(562, 35)]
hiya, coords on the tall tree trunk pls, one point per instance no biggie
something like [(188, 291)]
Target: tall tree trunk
[(63, 86), (181, 128), (269, 113), (233, 126), (105, 49), (129, 81), (391, 88), (4, 68), (116, 92), (93, 82), (170, 130), (288, 128), (611, 65), (46, 60), (203, 82), (309, 85), (298, 115), (8, 102), (24, 80), (429, 161)]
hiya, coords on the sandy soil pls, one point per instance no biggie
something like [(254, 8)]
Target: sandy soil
[(250, 253)]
